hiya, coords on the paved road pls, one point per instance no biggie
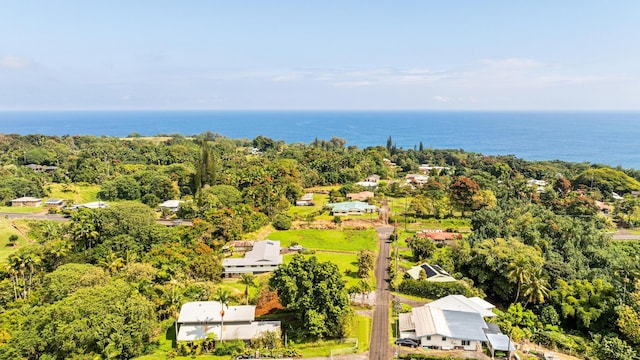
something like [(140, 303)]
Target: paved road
[(379, 348)]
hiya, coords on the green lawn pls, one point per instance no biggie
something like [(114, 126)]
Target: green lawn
[(77, 193), (7, 230), (341, 240), (21, 209)]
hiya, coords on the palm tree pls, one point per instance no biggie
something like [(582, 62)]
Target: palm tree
[(537, 288), (365, 287), (223, 296), (248, 280), (519, 271)]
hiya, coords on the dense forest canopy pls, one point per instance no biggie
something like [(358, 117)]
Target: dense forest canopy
[(541, 252)]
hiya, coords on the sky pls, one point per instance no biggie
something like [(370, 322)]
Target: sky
[(320, 55)]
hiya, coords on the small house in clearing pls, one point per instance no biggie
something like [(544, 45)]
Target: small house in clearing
[(200, 318), (352, 208), (263, 257), (439, 236), (26, 201), (171, 205), (52, 203), (305, 200)]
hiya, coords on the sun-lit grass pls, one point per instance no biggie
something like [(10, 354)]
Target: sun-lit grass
[(21, 209), (341, 240), (76, 193), (7, 230)]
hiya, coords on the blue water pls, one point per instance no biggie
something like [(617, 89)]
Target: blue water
[(611, 138)]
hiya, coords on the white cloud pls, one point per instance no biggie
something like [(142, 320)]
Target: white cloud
[(441, 99), (14, 62)]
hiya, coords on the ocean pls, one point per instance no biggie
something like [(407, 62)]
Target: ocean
[(611, 138)]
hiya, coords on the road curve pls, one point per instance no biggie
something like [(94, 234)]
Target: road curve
[(379, 348)]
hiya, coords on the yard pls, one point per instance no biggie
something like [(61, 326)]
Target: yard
[(7, 230), (338, 240), (76, 193)]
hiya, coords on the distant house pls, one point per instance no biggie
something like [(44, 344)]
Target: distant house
[(351, 208), (26, 201), (451, 322), (372, 178), (538, 184), (305, 200), (370, 182), (171, 205), (616, 196), (439, 236), (95, 205), (604, 208), (54, 203), (263, 257), (360, 196), (434, 273), (40, 168), (429, 168), (418, 179), (198, 319)]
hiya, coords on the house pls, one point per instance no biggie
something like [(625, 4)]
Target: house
[(200, 318), (418, 179), (538, 184), (306, 200), (171, 205), (372, 178), (433, 272), (616, 196), (40, 168), (429, 169), (351, 208), (451, 322), (439, 236), (26, 201), (263, 257), (360, 196), (500, 344), (95, 205), (54, 203)]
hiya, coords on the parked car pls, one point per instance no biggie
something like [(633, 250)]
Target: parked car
[(296, 248), (407, 342)]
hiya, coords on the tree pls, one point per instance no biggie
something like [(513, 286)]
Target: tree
[(462, 192), (536, 289), (222, 296), (366, 261), (612, 348), (248, 280), (13, 238), (519, 271), (422, 248), (316, 293)]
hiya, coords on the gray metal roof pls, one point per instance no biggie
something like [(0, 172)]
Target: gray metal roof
[(209, 312), (464, 325), (500, 342)]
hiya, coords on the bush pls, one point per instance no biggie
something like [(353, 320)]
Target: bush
[(229, 347), (282, 222), (436, 290)]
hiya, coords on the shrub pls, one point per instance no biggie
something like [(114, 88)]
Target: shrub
[(282, 222), (436, 290)]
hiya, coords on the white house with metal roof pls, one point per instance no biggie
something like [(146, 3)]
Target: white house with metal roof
[(451, 322), (263, 257), (200, 318), (352, 208), (171, 205)]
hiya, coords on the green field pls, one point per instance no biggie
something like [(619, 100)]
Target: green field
[(340, 240), (76, 193), (21, 209), (7, 230)]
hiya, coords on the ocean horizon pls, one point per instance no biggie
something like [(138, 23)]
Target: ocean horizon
[(611, 138)]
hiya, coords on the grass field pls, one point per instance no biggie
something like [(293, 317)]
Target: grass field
[(77, 193), (7, 230), (341, 240), (21, 209)]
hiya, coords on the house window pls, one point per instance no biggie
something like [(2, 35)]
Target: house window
[(428, 338), (466, 342), (444, 338)]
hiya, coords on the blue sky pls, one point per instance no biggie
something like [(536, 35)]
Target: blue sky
[(345, 55)]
